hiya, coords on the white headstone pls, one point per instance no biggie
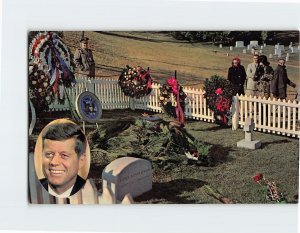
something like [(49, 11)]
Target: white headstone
[(253, 51), (260, 51), (288, 55), (270, 55), (265, 45), (287, 58), (291, 43), (248, 47), (127, 175), (294, 50), (230, 48), (254, 43), (244, 51), (220, 46), (277, 51), (262, 47), (239, 44)]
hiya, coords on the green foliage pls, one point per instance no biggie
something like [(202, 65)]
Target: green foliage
[(202, 149)]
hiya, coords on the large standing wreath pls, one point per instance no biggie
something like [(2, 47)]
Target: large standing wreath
[(172, 99), (50, 61), (218, 93), (135, 81)]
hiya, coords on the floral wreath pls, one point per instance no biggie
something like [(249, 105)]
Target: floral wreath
[(218, 93), (48, 52), (135, 81), (173, 106), (40, 92)]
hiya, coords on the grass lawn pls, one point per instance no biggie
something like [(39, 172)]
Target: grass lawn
[(194, 62)]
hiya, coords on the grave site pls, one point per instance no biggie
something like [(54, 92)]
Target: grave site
[(163, 123)]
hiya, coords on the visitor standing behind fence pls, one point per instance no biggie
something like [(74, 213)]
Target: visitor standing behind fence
[(264, 74), (237, 75), (280, 81), (251, 69), (84, 60)]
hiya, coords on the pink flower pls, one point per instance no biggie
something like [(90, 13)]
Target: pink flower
[(219, 91), (257, 177), (172, 82)]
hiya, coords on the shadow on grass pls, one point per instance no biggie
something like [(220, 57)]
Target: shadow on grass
[(171, 191), (213, 128), (264, 144), (220, 153)]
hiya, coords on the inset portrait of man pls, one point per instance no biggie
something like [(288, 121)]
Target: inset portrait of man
[(62, 158)]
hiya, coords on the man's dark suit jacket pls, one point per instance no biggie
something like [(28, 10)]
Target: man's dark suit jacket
[(77, 186)]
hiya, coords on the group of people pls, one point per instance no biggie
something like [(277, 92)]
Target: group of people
[(260, 79)]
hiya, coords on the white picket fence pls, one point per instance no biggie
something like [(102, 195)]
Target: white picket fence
[(270, 115)]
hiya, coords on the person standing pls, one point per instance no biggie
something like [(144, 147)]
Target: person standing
[(280, 81), (251, 79), (84, 59), (264, 74), (237, 75)]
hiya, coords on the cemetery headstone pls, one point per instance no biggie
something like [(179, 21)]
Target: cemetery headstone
[(265, 45), (248, 141), (248, 47), (294, 50), (239, 44), (230, 48), (220, 46), (260, 51), (244, 51), (262, 47), (270, 55), (254, 43), (127, 175)]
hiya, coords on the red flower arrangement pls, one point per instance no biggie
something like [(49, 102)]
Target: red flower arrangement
[(135, 81), (272, 192)]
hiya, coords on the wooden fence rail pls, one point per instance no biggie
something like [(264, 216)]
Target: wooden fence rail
[(270, 115)]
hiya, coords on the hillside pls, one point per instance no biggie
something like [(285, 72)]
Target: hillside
[(193, 61)]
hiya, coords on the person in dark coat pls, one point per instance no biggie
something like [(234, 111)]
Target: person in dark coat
[(264, 75), (237, 75), (280, 81)]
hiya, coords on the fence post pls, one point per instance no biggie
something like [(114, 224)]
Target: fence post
[(132, 103), (235, 111)]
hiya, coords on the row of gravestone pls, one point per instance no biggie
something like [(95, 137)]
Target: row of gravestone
[(254, 44)]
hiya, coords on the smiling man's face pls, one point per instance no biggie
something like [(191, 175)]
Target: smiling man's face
[(61, 163)]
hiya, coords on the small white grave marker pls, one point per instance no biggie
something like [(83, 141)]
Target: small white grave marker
[(254, 43), (248, 141), (248, 47), (244, 51), (230, 48), (270, 55), (220, 46), (262, 47), (239, 44)]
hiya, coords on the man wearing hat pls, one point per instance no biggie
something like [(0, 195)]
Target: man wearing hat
[(84, 59)]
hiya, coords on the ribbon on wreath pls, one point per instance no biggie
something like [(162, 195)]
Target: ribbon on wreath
[(173, 83)]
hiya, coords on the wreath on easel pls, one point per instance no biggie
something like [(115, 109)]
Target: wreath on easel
[(172, 99), (135, 81), (218, 93), (50, 64)]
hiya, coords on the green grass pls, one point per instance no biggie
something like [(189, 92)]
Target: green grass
[(193, 61)]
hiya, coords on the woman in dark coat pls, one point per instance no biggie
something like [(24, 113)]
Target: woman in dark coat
[(237, 75)]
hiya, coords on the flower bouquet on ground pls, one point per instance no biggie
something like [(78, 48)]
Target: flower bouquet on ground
[(135, 81), (218, 93), (269, 188), (172, 99)]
